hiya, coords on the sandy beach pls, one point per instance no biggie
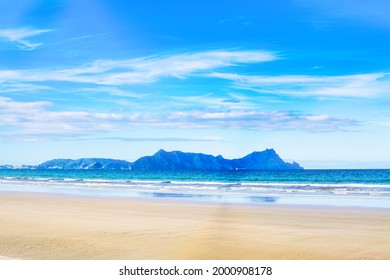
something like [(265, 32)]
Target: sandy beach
[(47, 226)]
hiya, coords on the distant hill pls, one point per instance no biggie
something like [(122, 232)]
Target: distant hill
[(6, 166), (264, 160), (86, 163), (178, 161)]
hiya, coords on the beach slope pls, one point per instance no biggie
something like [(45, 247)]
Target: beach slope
[(47, 226)]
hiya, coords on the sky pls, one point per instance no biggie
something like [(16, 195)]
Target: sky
[(122, 79)]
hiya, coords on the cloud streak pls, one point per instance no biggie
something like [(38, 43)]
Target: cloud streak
[(38, 119), (142, 70), (20, 37), (146, 139), (261, 120), (332, 11), (361, 85), (110, 74)]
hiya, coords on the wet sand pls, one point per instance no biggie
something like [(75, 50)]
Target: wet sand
[(48, 226)]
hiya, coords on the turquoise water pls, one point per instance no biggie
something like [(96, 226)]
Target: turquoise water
[(363, 188)]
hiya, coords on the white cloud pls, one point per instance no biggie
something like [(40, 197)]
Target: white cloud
[(8, 106), (10, 76), (39, 119), (361, 85), (113, 91), (35, 118), (142, 70), (212, 102), (148, 139), (22, 87), (19, 37), (261, 120), (111, 73)]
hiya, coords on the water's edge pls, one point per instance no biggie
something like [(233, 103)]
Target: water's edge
[(361, 188)]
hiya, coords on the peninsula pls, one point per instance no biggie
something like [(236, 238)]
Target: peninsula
[(178, 161)]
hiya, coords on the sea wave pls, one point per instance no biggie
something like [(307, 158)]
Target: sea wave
[(238, 185), (205, 186), (342, 194)]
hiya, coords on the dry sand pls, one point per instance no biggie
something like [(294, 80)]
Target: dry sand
[(45, 226)]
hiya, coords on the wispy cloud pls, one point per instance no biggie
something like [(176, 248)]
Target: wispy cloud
[(37, 119), (108, 75), (210, 101), (326, 12), (142, 70), (146, 139), (22, 87), (20, 37), (235, 20), (362, 85), (113, 91), (261, 120)]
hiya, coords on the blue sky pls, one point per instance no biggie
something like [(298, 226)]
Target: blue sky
[(122, 79)]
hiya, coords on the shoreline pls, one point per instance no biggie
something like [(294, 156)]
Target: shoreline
[(213, 197), (3, 258), (193, 201), (62, 226)]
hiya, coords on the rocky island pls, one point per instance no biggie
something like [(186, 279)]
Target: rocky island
[(178, 161)]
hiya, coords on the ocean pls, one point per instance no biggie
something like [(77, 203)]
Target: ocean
[(359, 188)]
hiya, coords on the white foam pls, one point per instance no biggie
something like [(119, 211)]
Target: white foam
[(6, 258)]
